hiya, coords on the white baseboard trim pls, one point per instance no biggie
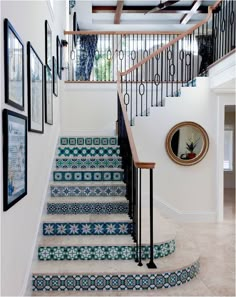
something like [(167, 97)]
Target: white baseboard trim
[(184, 216), (27, 280)]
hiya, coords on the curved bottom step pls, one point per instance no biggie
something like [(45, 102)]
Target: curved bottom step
[(94, 282), (63, 276)]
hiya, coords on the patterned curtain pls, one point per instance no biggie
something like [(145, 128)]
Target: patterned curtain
[(205, 50), (86, 48), (71, 5)]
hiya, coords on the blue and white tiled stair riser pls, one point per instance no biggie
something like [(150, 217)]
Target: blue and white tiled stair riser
[(99, 228), (124, 252), (88, 208), (88, 163), (78, 176), (87, 191), (120, 282)]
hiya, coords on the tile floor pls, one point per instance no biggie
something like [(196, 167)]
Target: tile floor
[(216, 243)]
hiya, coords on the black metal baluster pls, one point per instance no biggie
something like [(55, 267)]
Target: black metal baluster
[(213, 35), (152, 81), (162, 78), (135, 202), (233, 24), (131, 98), (217, 36), (190, 57), (157, 75), (177, 66), (220, 35), (151, 263), (193, 56), (136, 82), (227, 28), (140, 218)]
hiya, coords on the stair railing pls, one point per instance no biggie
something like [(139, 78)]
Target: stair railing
[(133, 178), (114, 51), (160, 74), (179, 62)]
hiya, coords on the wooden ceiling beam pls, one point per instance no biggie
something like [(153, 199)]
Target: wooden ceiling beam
[(119, 8), (144, 9), (186, 18)]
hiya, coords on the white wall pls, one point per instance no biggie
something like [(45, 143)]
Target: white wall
[(89, 109), (20, 223), (184, 192)]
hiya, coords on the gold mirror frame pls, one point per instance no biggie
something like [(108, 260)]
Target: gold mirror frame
[(199, 157)]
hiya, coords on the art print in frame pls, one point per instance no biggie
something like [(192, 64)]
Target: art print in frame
[(14, 158), (55, 77), (14, 67), (35, 70), (59, 57), (48, 96), (48, 45)]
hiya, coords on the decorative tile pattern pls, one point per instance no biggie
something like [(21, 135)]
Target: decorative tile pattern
[(46, 253), (89, 163), (72, 191), (88, 141), (114, 281), (101, 228), (88, 176), (87, 208), (88, 151)]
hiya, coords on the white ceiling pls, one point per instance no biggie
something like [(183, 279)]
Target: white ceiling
[(135, 21)]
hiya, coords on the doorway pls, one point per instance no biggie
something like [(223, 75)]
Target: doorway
[(229, 163)]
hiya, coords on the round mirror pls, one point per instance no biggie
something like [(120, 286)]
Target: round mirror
[(187, 143)]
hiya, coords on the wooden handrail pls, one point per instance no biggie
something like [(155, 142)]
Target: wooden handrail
[(137, 163), (181, 36), (122, 32)]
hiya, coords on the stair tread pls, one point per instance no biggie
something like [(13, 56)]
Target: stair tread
[(88, 169), (88, 200), (88, 218), (87, 183), (182, 258), (88, 146), (89, 157), (94, 240), (91, 240)]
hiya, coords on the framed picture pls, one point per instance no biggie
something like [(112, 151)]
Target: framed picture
[(55, 77), (14, 67), (35, 71), (14, 158), (48, 45), (59, 57), (48, 96)]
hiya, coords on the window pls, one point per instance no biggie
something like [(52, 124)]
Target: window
[(228, 150)]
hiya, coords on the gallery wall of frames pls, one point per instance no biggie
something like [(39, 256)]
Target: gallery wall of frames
[(42, 86)]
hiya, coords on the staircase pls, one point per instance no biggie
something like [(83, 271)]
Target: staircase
[(86, 234)]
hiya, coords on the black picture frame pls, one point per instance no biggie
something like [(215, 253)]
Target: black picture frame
[(59, 56), (14, 158), (35, 78), (13, 67), (55, 76), (48, 45), (48, 87)]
